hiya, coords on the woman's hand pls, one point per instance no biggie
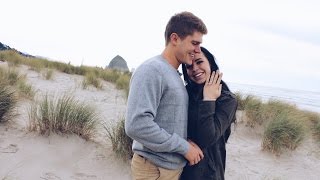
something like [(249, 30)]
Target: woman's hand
[(212, 87)]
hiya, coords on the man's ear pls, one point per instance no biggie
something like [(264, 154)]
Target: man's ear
[(174, 38)]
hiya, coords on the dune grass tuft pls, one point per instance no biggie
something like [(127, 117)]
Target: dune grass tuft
[(241, 101), (8, 102), (254, 109), (123, 83), (283, 124), (26, 90), (11, 77), (284, 131), (317, 131), (47, 74), (110, 75), (13, 57), (63, 114), (314, 119), (275, 107), (36, 65), (91, 79), (121, 143)]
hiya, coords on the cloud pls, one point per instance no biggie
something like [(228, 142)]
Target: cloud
[(256, 42)]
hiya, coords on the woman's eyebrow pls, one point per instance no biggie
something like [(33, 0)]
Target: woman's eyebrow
[(197, 59)]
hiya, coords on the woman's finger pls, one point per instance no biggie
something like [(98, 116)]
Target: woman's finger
[(215, 78), (213, 74), (219, 78), (209, 78)]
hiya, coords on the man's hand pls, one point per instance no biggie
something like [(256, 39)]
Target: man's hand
[(194, 154)]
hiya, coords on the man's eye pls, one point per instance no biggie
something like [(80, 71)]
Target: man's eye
[(195, 43)]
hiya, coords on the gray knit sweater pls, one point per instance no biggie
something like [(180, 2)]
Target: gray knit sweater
[(156, 115)]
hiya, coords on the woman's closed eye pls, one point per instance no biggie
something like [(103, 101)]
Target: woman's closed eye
[(199, 62)]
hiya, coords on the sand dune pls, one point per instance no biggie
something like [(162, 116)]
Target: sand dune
[(27, 155), (246, 160)]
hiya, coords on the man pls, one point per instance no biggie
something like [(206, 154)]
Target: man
[(157, 106)]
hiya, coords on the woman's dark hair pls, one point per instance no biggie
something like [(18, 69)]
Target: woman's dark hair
[(213, 67)]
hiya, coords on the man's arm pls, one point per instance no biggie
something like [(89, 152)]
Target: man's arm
[(143, 101)]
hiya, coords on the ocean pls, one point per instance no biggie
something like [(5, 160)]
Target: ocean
[(305, 100)]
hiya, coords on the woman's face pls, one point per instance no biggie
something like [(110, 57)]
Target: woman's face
[(200, 69)]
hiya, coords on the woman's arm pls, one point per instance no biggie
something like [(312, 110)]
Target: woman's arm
[(214, 117)]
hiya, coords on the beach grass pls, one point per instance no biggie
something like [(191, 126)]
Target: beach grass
[(63, 114), (272, 108), (92, 74), (36, 65), (314, 123), (284, 126), (254, 109), (12, 57), (121, 143), (285, 131), (110, 75), (317, 131), (93, 79), (123, 83), (8, 102), (47, 74), (241, 101), (11, 77), (26, 90)]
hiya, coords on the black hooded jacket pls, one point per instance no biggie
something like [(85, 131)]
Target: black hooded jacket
[(209, 127)]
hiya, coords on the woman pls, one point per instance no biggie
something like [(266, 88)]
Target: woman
[(212, 109)]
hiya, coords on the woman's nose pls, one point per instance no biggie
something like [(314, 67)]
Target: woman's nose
[(194, 67)]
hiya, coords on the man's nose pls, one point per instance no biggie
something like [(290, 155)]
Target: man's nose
[(197, 49)]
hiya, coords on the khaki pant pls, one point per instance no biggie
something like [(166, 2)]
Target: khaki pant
[(142, 169)]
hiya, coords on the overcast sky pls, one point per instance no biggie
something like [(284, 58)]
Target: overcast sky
[(272, 43)]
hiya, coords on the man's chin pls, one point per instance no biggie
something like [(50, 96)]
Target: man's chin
[(188, 63)]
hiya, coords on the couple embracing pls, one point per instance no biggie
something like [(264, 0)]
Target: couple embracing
[(180, 129)]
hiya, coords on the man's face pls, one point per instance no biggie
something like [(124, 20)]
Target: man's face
[(188, 48)]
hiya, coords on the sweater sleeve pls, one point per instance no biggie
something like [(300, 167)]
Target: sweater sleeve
[(143, 101), (214, 118)]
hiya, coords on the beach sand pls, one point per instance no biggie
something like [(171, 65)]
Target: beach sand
[(28, 155), (247, 160)]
